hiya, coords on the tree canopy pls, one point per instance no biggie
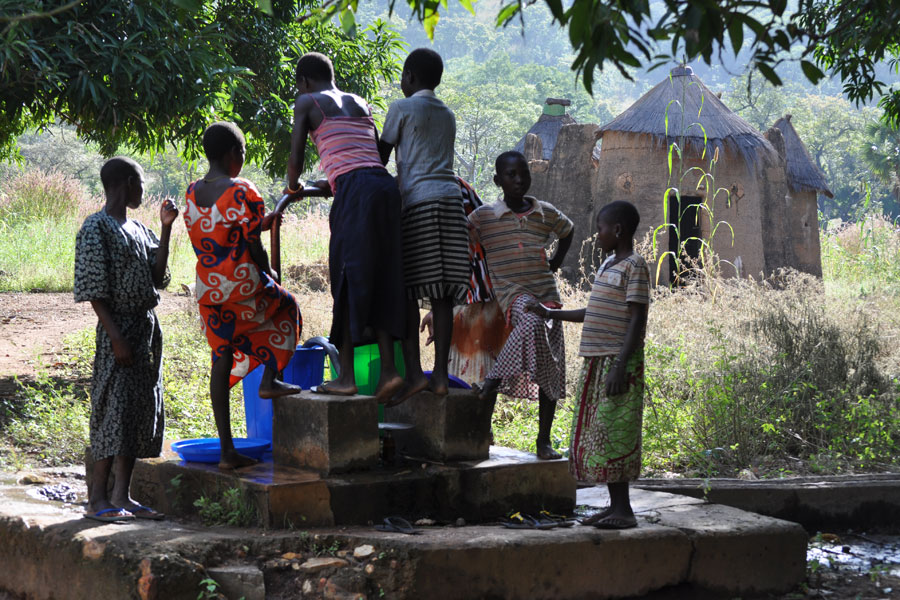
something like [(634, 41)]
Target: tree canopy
[(146, 74), (846, 39)]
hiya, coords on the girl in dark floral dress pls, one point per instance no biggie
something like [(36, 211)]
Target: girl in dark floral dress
[(119, 265)]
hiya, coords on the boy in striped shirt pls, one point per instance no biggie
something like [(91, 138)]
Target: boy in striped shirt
[(515, 233)]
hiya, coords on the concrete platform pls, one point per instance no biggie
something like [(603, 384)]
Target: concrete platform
[(286, 497), (51, 552), (867, 502)]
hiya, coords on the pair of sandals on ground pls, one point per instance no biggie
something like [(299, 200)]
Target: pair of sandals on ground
[(123, 515), (604, 519)]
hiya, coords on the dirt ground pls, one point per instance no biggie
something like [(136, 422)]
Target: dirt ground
[(33, 325)]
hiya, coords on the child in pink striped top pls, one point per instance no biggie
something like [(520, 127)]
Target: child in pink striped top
[(364, 253)]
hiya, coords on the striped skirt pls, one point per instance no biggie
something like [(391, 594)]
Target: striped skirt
[(436, 250)]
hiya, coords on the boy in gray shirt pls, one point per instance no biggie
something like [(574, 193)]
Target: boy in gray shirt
[(433, 223)]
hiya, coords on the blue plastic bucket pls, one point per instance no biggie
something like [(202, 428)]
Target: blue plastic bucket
[(306, 369)]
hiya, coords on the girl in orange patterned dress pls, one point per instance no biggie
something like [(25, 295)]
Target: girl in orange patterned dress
[(248, 319)]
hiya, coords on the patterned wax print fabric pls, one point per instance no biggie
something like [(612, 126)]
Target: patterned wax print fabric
[(534, 355), (113, 263), (480, 289), (607, 316), (605, 446), (241, 307), (479, 332), (516, 247)]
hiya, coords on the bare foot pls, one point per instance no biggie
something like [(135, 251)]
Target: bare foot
[(409, 389), (487, 389), (235, 460), (546, 452), (438, 389), (598, 516), (279, 389), (387, 388)]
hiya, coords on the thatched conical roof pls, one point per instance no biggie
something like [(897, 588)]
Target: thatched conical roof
[(803, 174), (724, 129), (548, 125)]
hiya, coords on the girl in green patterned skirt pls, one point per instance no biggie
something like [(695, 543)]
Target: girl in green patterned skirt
[(605, 444)]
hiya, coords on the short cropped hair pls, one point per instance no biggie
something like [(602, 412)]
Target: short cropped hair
[(315, 66), (426, 65), (622, 213), (117, 170), (220, 138), (506, 156)]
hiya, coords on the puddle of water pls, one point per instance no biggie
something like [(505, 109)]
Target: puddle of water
[(861, 554)]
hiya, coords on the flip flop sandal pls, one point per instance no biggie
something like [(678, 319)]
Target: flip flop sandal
[(145, 512), (560, 520), (326, 391), (397, 525), (616, 523), (522, 521), (111, 515)]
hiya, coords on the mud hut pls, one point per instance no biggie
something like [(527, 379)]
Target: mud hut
[(547, 128), (805, 182), (748, 191)]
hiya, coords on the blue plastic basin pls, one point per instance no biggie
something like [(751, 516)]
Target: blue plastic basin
[(208, 450)]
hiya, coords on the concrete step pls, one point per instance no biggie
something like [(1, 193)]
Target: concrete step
[(285, 496), (51, 552), (864, 502)]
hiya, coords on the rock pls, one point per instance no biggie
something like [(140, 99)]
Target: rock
[(291, 555), (240, 581), (31, 479), (370, 568), (93, 549), (460, 522), (747, 475), (364, 551), (425, 522), (308, 586), (342, 553), (314, 565)]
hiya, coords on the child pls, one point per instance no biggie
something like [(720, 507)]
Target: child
[(119, 265), (248, 319), (435, 238), (364, 251), (606, 428), (515, 233)]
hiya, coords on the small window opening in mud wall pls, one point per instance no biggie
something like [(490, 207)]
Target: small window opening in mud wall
[(685, 226)]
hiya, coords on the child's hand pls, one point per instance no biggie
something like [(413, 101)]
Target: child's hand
[(269, 220), (168, 212), (538, 309), (122, 351), (428, 321), (615, 379)]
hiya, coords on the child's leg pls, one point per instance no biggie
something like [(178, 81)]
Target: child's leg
[(389, 380), (219, 392), (442, 309), (99, 500), (415, 378), (346, 381), (546, 411)]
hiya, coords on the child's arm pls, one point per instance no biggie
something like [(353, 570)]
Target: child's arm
[(390, 133), (299, 134), (575, 315), (120, 346), (561, 250), (634, 338), (261, 258), (168, 212)]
